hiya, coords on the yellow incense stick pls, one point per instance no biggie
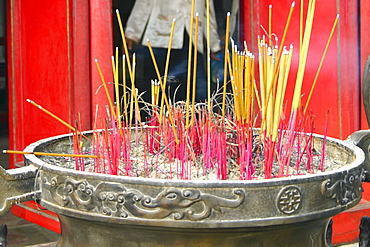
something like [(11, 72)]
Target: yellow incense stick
[(158, 73), (124, 86), (321, 62), (195, 67), (52, 154), (287, 24), (286, 27), (188, 78), (132, 92), (56, 118), (134, 96), (303, 56), (270, 24), (262, 74), (167, 66), (257, 94), (163, 91), (136, 90), (301, 26), (227, 37), (153, 92), (270, 83), (53, 116), (114, 68), (124, 41), (116, 88), (246, 83), (234, 80), (285, 63), (96, 117), (115, 82), (208, 55), (106, 89)]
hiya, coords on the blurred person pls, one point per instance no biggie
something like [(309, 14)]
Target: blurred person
[(152, 19)]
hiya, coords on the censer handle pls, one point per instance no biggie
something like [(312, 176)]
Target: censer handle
[(16, 185), (361, 138), (366, 89)]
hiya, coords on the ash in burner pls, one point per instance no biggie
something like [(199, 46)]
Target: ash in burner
[(157, 165)]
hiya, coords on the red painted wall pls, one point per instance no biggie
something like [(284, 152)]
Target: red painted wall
[(39, 69), (51, 52)]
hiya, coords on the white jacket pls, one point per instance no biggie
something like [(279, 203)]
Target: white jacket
[(154, 19)]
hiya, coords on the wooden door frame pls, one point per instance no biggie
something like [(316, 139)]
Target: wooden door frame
[(88, 27)]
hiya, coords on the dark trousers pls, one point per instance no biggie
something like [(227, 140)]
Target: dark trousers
[(177, 72)]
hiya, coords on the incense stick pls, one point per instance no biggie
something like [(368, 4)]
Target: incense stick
[(195, 67), (188, 78), (208, 54), (105, 88), (227, 37), (287, 24), (167, 65), (124, 41), (51, 114), (164, 97), (321, 63), (52, 154), (303, 56), (209, 141), (301, 26), (124, 87), (116, 88), (270, 24)]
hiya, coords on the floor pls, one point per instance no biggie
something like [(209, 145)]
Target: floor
[(24, 233)]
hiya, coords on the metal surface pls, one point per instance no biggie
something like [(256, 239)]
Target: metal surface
[(364, 237), (361, 139), (308, 233), (364, 50), (105, 210), (16, 185), (366, 89)]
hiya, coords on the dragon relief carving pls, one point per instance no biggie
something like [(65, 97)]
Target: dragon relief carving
[(344, 190), (113, 199)]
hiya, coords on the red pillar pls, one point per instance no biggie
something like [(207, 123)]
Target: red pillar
[(101, 39)]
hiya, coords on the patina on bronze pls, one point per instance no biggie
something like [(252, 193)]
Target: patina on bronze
[(105, 210)]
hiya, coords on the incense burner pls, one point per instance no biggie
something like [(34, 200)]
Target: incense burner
[(106, 210)]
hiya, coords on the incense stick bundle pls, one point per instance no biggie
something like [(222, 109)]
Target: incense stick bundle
[(181, 139), (303, 56)]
